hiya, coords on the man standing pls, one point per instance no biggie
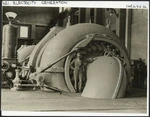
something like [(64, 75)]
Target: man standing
[(77, 72)]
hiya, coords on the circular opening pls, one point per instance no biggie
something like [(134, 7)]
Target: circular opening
[(97, 47)]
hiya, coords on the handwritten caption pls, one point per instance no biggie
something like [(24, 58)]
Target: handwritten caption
[(132, 6), (33, 2)]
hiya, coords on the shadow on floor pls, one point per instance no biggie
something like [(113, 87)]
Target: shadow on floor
[(136, 92)]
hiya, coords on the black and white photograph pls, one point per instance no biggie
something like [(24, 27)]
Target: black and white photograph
[(70, 58)]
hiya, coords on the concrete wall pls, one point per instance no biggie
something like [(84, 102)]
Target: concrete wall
[(139, 34)]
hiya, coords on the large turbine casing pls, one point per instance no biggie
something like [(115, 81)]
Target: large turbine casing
[(54, 47), (62, 43)]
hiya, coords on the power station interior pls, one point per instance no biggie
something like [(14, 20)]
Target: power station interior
[(88, 53)]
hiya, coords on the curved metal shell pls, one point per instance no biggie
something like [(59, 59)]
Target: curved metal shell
[(39, 48), (105, 79), (25, 52), (65, 41)]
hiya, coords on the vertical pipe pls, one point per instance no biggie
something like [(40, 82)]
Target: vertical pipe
[(60, 9), (87, 15), (33, 28), (120, 24), (81, 18), (98, 15), (128, 31)]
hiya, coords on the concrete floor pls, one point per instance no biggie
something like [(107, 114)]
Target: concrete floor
[(48, 101)]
